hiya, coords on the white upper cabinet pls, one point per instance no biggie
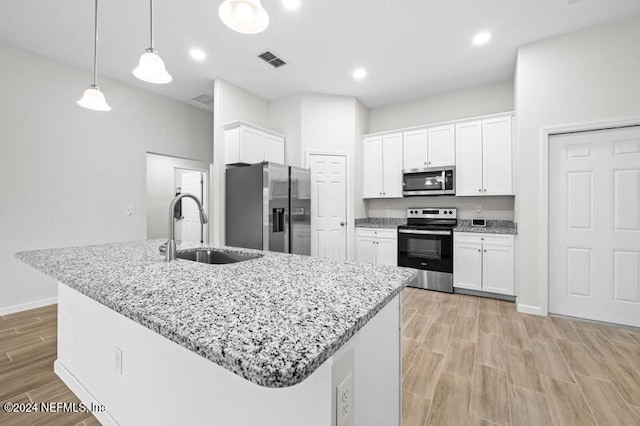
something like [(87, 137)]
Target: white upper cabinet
[(469, 158), (483, 157), (430, 147), (441, 146), (249, 144), (415, 149), (382, 166), (496, 156)]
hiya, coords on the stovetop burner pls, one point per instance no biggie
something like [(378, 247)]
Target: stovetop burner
[(431, 218)]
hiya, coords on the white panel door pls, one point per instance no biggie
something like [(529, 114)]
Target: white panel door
[(467, 266), (496, 156), (372, 167), (441, 146), (328, 206), (469, 158), (415, 149), (392, 166), (594, 225)]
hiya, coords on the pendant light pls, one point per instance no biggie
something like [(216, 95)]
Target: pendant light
[(151, 67), (93, 98), (244, 16)]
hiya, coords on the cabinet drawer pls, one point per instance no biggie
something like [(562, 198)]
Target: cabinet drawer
[(377, 233), (482, 238)]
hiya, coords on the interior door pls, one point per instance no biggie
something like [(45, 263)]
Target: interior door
[(191, 182), (328, 206), (594, 225)]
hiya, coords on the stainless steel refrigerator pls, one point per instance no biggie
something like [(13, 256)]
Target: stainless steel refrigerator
[(268, 208)]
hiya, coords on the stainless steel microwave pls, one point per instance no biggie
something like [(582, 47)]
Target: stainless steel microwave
[(429, 181)]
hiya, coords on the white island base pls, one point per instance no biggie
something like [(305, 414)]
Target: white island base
[(143, 378)]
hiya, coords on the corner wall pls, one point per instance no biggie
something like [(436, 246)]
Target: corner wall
[(231, 103), (584, 77), (68, 172)]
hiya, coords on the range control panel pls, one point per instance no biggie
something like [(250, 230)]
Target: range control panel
[(431, 213)]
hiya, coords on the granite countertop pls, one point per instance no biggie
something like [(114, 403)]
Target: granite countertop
[(272, 320), (493, 227), (380, 222)]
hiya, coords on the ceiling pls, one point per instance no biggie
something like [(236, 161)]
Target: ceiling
[(410, 48)]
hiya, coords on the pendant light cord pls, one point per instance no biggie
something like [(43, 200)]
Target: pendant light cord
[(95, 46), (150, 21)]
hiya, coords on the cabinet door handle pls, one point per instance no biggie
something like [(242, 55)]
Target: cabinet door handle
[(485, 251), (485, 190), (479, 190), (479, 250)]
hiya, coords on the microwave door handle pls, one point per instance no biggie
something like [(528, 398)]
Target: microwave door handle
[(444, 180), (416, 231)]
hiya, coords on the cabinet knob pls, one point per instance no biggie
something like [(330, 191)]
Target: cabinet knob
[(342, 224), (485, 251), (479, 190), (479, 250), (485, 190), (429, 162), (481, 238)]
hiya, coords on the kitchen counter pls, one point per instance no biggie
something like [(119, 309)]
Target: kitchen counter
[(272, 320), (493, 227), (380, 222)]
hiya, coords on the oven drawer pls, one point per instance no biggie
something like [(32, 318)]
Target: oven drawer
[(482, 238), (377, 233)]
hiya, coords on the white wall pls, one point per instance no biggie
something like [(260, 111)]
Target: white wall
[(582, 77), (231, 103), (285, 116), (161, 190), (470, 102), (68, 172)]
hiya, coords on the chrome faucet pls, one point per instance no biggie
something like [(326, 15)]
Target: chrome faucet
[(171, 244)]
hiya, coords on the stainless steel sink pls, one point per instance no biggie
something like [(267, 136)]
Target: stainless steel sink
[(215, 257)]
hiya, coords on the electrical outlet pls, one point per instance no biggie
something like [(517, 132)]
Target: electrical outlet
[(344, 402), (129, 210), (478, 209), (117, 360)]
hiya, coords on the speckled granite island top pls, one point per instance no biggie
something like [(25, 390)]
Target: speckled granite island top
[(272, 320)]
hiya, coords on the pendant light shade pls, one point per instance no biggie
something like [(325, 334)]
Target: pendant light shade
[(93, 98), (151, 66), (244, 16)]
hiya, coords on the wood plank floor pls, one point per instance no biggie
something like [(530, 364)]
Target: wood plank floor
[(466, 361), (28, 348), (476, 361)]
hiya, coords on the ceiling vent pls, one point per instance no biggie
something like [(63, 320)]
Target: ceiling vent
[(570, 2), (272, 59), (204, 98)]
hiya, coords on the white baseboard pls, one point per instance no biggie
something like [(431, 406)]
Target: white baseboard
[(530, 309), (82, 393), (29, 305)]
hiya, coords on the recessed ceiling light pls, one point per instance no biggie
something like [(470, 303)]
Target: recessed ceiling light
[(359, 73), (482, 38), (197, 54), (291, 4)]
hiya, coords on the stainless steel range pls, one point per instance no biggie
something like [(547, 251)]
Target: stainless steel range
[(426, 243)]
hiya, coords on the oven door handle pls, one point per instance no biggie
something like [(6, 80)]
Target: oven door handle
[(416, 231)]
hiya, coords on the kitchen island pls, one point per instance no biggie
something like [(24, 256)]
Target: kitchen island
[(266, 341)]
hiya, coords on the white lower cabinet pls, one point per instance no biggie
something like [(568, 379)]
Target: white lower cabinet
[(484, 262), (377, 246)]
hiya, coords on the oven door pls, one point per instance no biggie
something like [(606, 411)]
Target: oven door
[(426, 249)]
